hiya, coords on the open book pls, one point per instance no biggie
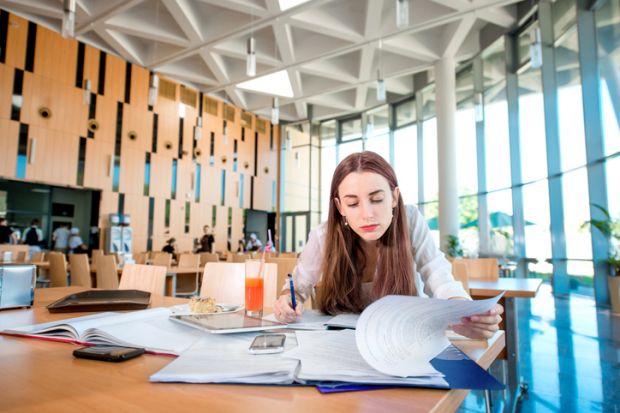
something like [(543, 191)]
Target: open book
[(150, 329), (398, 341)]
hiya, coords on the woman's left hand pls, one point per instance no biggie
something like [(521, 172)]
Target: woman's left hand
[(480, 326)]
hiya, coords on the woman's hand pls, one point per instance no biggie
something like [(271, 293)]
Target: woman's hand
[(283, 309), (480, 326)]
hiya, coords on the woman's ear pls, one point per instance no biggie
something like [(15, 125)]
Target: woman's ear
[(395, 195), (338, 206)]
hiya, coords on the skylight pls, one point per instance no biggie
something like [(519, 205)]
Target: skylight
[(277, 84)]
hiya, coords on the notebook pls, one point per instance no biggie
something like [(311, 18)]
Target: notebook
[(400, 337), (150, 329)]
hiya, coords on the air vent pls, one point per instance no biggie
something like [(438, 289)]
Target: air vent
[(188, 96), (167, 89), (261, 125), (246, 119), (211, 106), (229, 113)]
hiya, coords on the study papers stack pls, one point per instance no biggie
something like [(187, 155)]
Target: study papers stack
[(150, 329), (393, 331)]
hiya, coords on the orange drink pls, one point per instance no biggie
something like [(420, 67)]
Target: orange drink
[(254, 288)]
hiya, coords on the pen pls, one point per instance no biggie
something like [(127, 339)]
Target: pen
[(292, 286)]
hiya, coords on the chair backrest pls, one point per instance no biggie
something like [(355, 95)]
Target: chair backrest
[(286, 266), (288, 255), (80, 270), (241, 257), (485, 269), (58, 269), (206, 257), (107, 276), (141, 257), (460, 271), (96, 254), (15, 250), (151, 278), (189, 260), (37, 256), (162, 259), (20, 256), (225, 282)]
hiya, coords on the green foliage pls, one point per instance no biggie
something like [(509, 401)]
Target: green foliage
[(610, 228), (454, 246)]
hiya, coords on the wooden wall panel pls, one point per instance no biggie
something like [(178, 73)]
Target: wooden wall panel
[(55, 57), (114, 78), (132, 172), (220, 231), (138, 121), (159, 229), (6, 86), (185, 170), (263, 193), (68, 113), (97, 173), (9, 140), (161, 176), (107, 206), (91, 66), (139, 87), (199, 217), (237, 227), (17, 36), (177, 220), (211, 185), (106, 117), (168, 128)]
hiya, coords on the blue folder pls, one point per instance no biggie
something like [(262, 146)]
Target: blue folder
[(459, 371)]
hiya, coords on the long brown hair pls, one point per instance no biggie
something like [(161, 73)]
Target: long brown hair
[(344, 261)]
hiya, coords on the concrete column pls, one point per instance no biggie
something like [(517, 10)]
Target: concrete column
[(445, 89)]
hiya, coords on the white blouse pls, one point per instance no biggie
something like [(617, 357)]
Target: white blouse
[(433, 268)]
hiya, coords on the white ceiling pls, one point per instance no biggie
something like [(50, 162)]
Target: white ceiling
[(329, 48)]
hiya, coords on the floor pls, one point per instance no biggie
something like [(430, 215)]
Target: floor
[(569, 357)]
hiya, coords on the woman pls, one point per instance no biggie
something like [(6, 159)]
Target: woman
[(370, 247)]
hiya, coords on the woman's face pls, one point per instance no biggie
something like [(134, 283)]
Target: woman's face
[(365, 199)]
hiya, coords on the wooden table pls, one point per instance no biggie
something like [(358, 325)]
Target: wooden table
[(512, 288), (40, 375)]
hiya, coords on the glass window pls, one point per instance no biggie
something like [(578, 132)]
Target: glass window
[(351, 129), (532, 126), (405, 113), (500, 222), (468, 219), (570, 108), (431, 178), (406, 162), (346, 149), (608, 31), (494, 63), (328, 163), (537, 222), (612, 170), (378, 132), (496, 137), (576, 212)]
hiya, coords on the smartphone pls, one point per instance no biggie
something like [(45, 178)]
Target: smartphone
[(108, 353), (267, 344)]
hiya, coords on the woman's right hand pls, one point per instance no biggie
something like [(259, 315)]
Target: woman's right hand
[(283, 309)]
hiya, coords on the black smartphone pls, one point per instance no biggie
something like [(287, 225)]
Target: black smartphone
[(267, 344), (108, 353)]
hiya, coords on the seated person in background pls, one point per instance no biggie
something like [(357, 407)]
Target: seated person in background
[(371, 246), (169, 247), (60, 236), (241, 246), (253, 244), (76, 245), (6, 232), (207, 240)]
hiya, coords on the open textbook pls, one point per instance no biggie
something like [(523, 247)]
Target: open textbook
[(398, 341), (150, 329)]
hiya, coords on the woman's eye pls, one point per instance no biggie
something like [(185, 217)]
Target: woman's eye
[(376, 201), (352, 205)]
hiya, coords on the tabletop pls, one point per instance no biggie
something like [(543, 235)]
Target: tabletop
[(514, 287), (39, 375)]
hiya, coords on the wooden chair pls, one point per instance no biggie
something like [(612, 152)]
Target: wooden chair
[(151, 278), (225, 282), (241, 257), (107, 275), (162, 259), (58, 269), (287, 255), (286, 266), (483, 269), (206, 257), (80, 270), (37, 256), (96, 254), (460, 271), (15, 250), (141, 257), (188, 283)]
